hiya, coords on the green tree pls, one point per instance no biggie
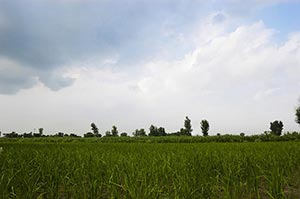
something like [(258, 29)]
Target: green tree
[(95, 129), (161, 131), (41, 131), (298, 113), (139, 133), (114, 131), (276, 127), (187, 127), (89, 135), (204, 127), (153, 131), (124, 134), (108, 133)]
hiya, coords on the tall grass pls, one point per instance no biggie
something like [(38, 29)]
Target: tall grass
[(150, 170)]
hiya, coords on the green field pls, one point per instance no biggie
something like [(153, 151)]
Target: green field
[(149, 170)]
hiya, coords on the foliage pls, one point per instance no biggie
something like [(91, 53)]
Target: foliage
[(276, 127), (41, 130), (90, 169), (298, 114), (187, 130), (11, 135), (139, 133), (95, 129), (124, 134), (154, 131), (204, 127), (114, 131), (89, 135)]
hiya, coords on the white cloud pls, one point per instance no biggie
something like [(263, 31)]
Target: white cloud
[(238, 80)]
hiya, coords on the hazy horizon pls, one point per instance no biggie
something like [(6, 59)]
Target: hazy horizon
[(67, 63)]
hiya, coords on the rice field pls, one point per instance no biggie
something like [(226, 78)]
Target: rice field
[(149, 170)]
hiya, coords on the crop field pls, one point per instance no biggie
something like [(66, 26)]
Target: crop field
[(149, 170)]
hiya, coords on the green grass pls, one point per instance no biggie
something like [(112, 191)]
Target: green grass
[(149, 170)]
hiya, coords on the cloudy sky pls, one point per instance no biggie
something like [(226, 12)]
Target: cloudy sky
[(133, 63)]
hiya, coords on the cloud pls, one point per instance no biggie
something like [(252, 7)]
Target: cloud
[(45, 36), (13, 77), (239, 80)]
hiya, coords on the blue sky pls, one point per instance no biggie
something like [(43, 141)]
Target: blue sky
[(282, 17), (133, 63)]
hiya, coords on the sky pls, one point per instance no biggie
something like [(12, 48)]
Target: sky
[(131, 63)]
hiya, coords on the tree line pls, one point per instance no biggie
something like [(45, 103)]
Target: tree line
[(276, 128)]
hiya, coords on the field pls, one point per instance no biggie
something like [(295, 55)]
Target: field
[(149, 170)]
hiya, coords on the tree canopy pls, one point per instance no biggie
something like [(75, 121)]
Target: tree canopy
[(95, 129), (298, 113), (276, 127), (204, 127)]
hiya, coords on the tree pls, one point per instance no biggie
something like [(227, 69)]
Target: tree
[(108, 133), (41, 131), (187, 127), (276, 127), (114, 131), (298, 113), (89, 135), (139, 133), (204, 127), (95, 129), (153, 131), (60, 134), (124, 134), (161, 131)]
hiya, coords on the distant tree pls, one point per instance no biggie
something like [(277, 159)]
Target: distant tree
[(0, 133), (153, 131), (276, 127), (242, 134), (124, 134), (108, 133), (11, 135), (218, 134), (139, 133), (298, 113), (73, 135), (41, 131), (60, 134), (89, 134), (182, 131), (114, 131), (161, 131), (204, 127), (187, 127), (27, 135), (95, 129)]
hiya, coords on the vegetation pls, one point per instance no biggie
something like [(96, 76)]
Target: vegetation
[(139, 133), (276, 127), (298, 114), (187, 130), (95, 129), (114, 131), (204, 127), (185, 166), (142, 170), (154, 131)]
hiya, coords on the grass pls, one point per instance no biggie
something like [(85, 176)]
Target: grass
[(149, 170)]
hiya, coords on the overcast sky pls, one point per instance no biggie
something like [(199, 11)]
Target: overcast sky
[(133, 63)]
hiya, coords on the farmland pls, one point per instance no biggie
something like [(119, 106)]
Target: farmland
[(40, 169)]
